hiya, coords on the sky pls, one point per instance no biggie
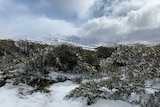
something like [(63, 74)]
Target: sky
[(82, 21)]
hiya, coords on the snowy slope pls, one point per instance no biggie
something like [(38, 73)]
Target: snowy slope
[(9, 97)]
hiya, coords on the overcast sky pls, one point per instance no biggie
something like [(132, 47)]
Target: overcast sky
[(84, 21)]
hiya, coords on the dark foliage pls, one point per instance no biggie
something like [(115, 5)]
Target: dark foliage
[(2, 83), (66, 56), (104, 52)]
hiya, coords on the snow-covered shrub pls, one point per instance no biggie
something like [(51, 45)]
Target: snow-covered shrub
[(153, 100), (119, 73), (66, 57), (87, 70), (127, 69), (89, 90), (91, 58), (61, 79)]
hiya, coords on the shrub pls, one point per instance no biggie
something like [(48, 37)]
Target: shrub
[(154, 100), (91, 58), (127, 70), (2, 82), (50, 59), (40, 84), (104, 52), (9, 47), (66, 57)]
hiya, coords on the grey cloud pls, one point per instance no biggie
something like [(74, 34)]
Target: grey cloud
[(141, 24), (102, 30), (100, 21), (64, 9), (32, 26), (114, 8), (147, 17), (69, 10), (17, 19), (8, 8)]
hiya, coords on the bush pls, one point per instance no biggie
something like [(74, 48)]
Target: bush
[(126, 70), (154, 100), (2, 83), (40, 84), (9, 47), (36, 66), (50, 59), (67, 58), (104, 52), (91, 58)]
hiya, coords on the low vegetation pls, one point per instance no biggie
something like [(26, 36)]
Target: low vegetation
[(124, 73)]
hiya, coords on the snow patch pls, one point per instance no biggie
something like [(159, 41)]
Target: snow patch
[(9, 97)]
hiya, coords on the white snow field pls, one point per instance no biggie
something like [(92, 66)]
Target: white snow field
[(9, 97)]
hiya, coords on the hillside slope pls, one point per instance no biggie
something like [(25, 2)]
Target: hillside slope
[(124, 73)]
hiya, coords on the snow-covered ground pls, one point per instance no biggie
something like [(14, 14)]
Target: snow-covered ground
[(9, 97)]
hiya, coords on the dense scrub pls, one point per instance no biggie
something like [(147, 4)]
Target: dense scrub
[(128, 75), (124, 73), (26, 62)]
